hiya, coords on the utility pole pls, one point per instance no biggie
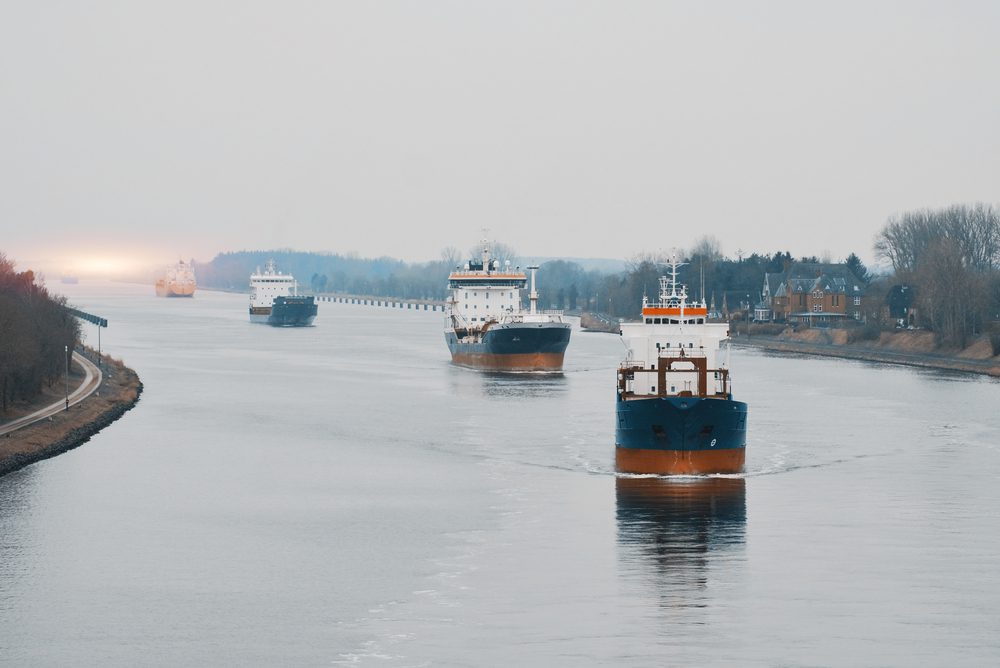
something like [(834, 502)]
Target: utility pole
[(66, 351)]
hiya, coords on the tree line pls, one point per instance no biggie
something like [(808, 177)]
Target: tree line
[(562, 284), (951, 257), (35, 331)]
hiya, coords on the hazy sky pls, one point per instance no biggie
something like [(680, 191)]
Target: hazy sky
[(156, 130)]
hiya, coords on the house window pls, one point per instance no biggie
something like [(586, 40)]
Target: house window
[(817, 307), (802, 300), (857, 301)]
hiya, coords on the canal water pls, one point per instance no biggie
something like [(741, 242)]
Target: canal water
[(343, 495)]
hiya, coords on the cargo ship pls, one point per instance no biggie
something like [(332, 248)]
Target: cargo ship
[(486, 326), (675, 409), (178, 281), (274, 299)]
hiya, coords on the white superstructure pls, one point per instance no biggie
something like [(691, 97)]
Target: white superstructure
[(265, 286), (484, 293), (673, 345)]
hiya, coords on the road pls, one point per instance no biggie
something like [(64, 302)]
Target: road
[(91, 381)]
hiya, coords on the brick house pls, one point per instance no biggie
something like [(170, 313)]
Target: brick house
[(814, 292)]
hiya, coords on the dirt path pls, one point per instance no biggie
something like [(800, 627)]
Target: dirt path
[(107, 397)]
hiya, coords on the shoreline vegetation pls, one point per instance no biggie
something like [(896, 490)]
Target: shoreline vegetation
[(904, 347), (119, 392)]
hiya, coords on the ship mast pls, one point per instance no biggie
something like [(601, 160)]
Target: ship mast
[(533, 295)]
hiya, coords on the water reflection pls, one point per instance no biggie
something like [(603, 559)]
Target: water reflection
[(673, 530), (501, 384), (17, 492)]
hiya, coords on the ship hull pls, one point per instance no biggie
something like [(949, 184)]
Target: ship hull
[(286, 312), (680, 435), (513, 347), (174, 290)]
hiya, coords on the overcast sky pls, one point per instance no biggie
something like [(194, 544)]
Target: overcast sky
[(160, 130)]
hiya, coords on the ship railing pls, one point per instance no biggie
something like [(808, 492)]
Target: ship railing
[(681, 353)]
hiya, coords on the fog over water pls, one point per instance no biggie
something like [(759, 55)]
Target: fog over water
[(343, 495)]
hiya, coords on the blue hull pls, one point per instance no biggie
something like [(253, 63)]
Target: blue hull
[(681, 423), (292, 312), (522, 347)]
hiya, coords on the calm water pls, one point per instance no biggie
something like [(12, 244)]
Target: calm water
[(342, 495)]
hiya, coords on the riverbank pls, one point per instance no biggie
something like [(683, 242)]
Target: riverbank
[(119, 392), (910, 348)]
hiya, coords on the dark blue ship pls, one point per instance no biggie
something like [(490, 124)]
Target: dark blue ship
[(675, 412), (486, 327), (274, 299)]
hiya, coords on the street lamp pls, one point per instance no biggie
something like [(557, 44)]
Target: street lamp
[(66, 359), (748, 316)]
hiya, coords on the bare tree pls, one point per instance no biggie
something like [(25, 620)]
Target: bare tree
[(707, 248)]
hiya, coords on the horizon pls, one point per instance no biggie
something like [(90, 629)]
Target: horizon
[(115, 268)]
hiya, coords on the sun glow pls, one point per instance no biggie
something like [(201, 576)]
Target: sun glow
[(104, 265)]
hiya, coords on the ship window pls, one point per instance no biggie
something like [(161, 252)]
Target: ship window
[(656, 321), (649, 321), (652, 388), (690, 345), (466, 295), (668, 344)]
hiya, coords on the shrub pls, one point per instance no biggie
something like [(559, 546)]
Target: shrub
[(867, 332)]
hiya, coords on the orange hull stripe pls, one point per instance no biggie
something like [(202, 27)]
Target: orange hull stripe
[(679, 462), (520, 362)]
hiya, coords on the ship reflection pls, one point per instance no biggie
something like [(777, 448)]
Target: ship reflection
[(672, 532), (509, 384)]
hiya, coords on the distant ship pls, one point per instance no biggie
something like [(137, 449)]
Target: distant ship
[(69, 279), (274, 299), (178, 281), (675, 407), (486, 327)]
